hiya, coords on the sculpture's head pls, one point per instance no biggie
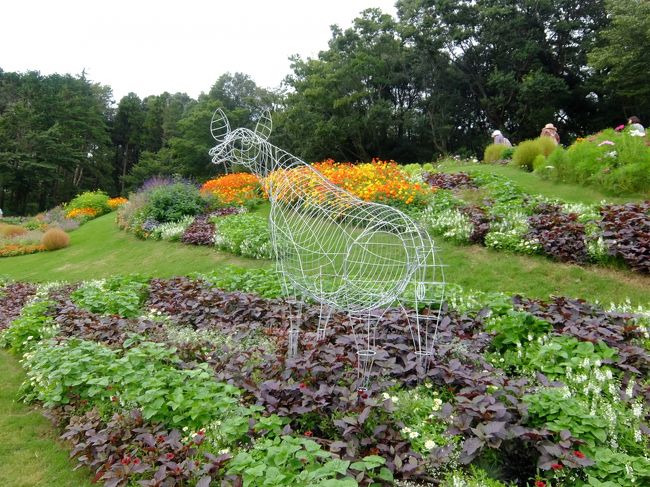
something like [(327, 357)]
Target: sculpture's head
[(242, 146)]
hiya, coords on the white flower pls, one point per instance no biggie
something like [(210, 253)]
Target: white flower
[(385, 395), (429, 444), (394, 398), (224, 451), (413, 435)]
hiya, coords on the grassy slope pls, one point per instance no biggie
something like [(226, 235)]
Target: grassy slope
[(30, 454), (99, 249), (533, 184)]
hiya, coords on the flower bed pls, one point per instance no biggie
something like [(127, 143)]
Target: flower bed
[(190, 384), (509, 219)]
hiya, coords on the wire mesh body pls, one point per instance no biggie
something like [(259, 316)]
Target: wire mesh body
[(342, 252)]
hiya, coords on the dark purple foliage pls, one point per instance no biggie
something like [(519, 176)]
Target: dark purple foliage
[(458, 180), (626, 231), (200, 232), (12, 299), (480, 222), (560, 235)]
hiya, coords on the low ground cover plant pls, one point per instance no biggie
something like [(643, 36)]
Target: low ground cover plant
[(193, 387)]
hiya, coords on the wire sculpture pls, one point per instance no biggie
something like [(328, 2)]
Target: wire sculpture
[(344, 253)]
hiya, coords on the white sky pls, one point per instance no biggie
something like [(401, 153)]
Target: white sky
[(149, 47)]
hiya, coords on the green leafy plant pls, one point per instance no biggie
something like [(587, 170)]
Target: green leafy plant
[(515, 327), (33, 324), (245, 234), (121, 296), (288, 460), (145, 376)]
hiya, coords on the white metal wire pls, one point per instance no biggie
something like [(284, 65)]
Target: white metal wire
[(347, 254)]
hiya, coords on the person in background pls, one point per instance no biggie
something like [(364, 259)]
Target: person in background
[(635, 125), (498, 138), (549, 130)]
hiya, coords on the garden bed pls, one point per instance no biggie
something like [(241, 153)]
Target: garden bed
[(183, 383)]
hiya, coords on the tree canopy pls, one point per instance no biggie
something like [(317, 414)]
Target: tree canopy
[(435, 79)]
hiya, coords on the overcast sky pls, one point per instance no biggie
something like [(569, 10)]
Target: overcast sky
[(149, 47)]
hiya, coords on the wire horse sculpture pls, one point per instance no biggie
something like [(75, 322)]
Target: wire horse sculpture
[(344, 253)]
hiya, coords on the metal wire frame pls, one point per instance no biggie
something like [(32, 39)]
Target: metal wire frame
[(336, 249)]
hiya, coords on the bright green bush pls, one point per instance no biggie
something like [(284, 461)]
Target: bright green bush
[(96, 200), (614, 162), (172, 202), (494, 153), (525, 153), (539, 163), (547, 145)]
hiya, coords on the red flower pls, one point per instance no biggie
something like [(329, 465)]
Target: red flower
[(160, 439), (170, 456), (125, 460), (201, 433), (557, 466), (540, 483), (579, 454), (308, 433), (302, 385), (136, 461)]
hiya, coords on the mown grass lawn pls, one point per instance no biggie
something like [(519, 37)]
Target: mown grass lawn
[(99, 249), (30, 454)]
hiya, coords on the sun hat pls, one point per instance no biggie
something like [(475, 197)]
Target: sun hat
[(495, 133), (550, 126)]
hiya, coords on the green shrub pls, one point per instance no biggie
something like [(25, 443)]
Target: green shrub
[(494, 153), (539, 163), (525, 153), (96, 200), (547, 145), (172, 202), (614, 162), (245, 234)]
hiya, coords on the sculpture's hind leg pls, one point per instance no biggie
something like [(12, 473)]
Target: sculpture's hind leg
[(364, 330), (422, 305), (295, 316)]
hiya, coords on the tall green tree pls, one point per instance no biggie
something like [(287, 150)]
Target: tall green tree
[(623, 54)]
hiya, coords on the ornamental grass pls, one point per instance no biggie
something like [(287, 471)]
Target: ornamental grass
[(55, 239)]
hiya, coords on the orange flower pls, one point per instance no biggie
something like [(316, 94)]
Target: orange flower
[(233, 188), (116, 202), (81, 212)]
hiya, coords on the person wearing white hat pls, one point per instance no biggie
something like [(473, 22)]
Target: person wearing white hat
[(550, 131), (498, 138)]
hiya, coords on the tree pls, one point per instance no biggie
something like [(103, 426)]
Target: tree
[(622, 54)]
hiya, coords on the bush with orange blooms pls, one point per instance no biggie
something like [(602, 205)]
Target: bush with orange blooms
[(82, 213), (115, 203), (234, 189)]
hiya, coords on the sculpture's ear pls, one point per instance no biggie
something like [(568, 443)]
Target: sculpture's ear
[(264, 125), (219, 126)]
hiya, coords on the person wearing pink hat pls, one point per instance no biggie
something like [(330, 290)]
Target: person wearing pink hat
[(549, 130)]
